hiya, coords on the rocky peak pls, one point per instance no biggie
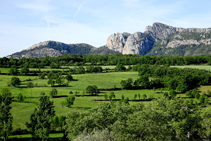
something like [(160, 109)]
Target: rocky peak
[(160, 31)]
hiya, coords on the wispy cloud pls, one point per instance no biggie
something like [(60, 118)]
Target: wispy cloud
[(37, 6), (79, 9)]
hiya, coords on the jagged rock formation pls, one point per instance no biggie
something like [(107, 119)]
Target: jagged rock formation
[(117, 41), (162, 38)]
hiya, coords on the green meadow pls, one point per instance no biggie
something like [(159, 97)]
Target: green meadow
[(21, 111)]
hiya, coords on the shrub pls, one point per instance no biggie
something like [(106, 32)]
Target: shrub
[(68, 101), (53, 92), (20, 98)]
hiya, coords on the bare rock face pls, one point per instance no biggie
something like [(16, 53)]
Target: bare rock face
[(138, 43), (160, 31), (117, 41)]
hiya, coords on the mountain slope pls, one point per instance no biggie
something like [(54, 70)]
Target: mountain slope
[(55, 49)]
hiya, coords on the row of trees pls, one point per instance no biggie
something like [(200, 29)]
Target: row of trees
[(70, 60)]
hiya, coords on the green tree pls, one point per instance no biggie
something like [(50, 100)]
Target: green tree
[(15, 81), (202, 98), (69, 77), (51, 82), (143, 81), (69, 101), (123, 97), (21, 98), (172, 93), (195, 92), (106, 96), (120, 67), (144, 96), (139, 96), (30, 85), (41, 118), (55, 122), (59, 80), (24, 71), (112, 95), (5, 115), (92, 89), (13, 70), (127, 83), (41, 75), (135, 96), (62, 122), (189, 94), (53, 92)]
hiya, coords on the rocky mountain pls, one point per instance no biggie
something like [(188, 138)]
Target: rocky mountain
[(163, 40), (55, 49), (157, 40)]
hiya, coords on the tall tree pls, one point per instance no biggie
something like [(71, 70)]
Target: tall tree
[(5, 115), (41, 118)]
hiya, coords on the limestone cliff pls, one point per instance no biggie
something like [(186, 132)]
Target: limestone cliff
[(160, 36)]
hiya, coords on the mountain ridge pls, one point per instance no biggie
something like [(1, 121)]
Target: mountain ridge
[(158, 40)]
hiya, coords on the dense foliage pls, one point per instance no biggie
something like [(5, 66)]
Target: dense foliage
[(171, 78), (5, 115), (164, 119)]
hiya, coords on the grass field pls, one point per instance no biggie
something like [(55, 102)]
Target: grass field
[(22, 111)]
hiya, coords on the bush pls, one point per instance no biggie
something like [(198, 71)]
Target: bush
[(172, 93), (53, 92), (165, 94), (189, 94), (68, 101), (20, 98)]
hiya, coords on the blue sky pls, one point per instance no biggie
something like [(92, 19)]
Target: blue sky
[(27, 22)]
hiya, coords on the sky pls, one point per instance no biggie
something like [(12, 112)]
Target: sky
[(27, 22)]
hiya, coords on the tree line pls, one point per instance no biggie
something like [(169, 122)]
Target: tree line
[(77, 60)]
